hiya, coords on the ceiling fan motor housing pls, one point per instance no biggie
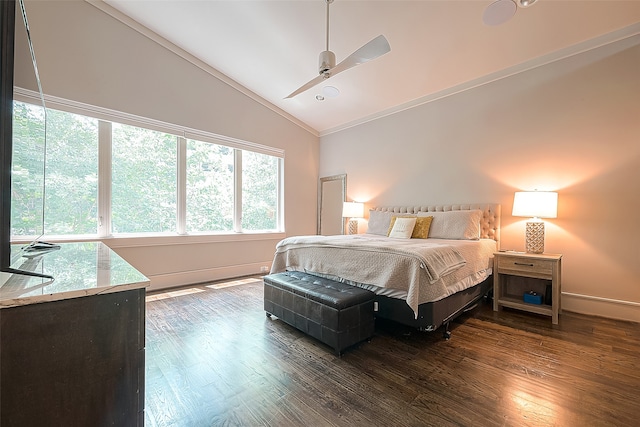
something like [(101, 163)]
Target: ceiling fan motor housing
[(326, 61)]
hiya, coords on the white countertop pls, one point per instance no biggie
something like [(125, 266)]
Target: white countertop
[(79, 269)]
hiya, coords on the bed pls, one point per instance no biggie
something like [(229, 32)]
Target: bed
[(422, 279)]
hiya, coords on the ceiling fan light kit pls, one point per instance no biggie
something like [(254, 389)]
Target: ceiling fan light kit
[(327, 60)]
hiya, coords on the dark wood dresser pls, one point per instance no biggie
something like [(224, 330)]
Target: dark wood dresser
[(72, 350)]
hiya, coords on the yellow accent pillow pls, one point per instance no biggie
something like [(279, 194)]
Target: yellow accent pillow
[(420, 230)]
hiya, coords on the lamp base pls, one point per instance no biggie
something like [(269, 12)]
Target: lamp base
[(353, 226), (534, 237)]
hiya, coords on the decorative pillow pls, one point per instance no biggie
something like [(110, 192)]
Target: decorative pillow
[(460, 225), (403, 228), (421, 229), (379, 222)]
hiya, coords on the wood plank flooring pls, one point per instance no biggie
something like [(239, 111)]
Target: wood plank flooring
[(214, 359)]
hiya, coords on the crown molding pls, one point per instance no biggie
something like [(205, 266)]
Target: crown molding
[(116, 14), (629, 34)]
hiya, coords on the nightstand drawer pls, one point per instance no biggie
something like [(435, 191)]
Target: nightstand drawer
[(532, 266)]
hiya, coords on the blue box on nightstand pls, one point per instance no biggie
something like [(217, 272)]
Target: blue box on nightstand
[(532, 297)]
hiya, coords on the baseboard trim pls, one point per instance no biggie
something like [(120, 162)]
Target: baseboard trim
[(603, 307), (172, 280)]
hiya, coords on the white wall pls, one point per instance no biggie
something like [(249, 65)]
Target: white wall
[(87, 56), (572, 126)]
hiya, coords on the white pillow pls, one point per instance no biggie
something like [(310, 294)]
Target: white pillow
[(460, 225), (403, 228), (379, 222)]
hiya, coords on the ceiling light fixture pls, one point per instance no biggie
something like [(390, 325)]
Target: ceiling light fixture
[(320, 97), (499, 12), (330, 91)]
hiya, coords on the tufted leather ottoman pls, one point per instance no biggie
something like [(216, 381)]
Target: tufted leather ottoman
[(337, 314)]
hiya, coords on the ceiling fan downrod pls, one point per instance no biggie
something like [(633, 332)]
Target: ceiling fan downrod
[(327, 59)]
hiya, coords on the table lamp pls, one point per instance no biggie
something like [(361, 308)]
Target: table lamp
[(353, 211), (535, 204)]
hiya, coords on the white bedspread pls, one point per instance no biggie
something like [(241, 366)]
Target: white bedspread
[(418, 270)]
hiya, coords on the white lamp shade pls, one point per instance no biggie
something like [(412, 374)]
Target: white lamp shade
[(538, 204), (352, 210)]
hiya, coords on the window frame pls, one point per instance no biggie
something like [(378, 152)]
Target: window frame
[(105, 118)]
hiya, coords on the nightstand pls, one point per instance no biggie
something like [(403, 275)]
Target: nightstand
[(516, 273)]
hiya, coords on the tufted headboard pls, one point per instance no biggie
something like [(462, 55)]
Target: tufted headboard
[(489, 224)]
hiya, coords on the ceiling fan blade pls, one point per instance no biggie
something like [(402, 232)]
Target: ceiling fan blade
[(375, 48), (307, 85)]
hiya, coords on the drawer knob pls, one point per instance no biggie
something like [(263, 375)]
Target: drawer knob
[(523, 263)]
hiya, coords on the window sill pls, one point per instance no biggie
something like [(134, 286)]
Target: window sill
[(164, 239)]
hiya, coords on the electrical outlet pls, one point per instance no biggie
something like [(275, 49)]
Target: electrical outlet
[(264, 269)]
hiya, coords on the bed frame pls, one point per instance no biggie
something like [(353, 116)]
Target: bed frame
[(432, 315)]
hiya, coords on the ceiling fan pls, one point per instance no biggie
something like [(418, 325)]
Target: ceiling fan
[(327, 60)]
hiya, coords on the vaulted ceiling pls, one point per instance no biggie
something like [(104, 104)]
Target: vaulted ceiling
[(438, 47)]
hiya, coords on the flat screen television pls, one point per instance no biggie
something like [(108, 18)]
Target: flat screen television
[(7, 51)]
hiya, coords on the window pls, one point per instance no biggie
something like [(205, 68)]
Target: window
[(70, 180), (27, 172), (210, 178), (143, 180), (259, 191), (158, 182), (72, 174)]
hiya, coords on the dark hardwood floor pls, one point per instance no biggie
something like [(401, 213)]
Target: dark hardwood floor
[(214, 359)]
